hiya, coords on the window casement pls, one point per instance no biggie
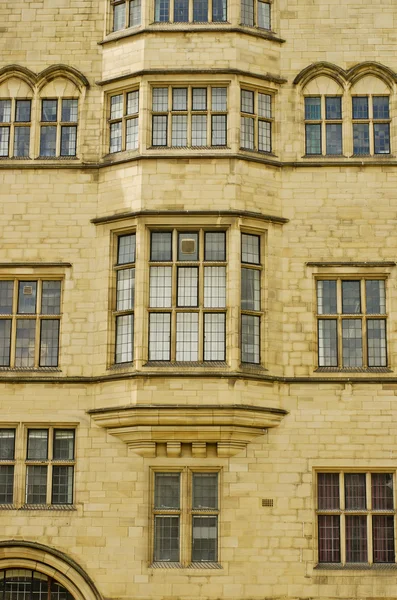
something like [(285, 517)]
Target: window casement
[(24, 584), (126, 13), (323, 125), (190, 11), (351, 315), (58, 127), (30, 313), (125, 298), (256, 13), (356, 518), (251, 313), (189, 116), (15, 124), (48, 464), (371, 125), (187, 296), (124, 121), (185, 514), (256, 121)]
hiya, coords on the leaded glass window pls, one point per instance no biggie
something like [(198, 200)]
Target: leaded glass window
[(58, 128), (323, 125), (124, 121), (125, 298)]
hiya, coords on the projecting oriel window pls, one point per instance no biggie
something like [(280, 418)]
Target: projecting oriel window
[(190, 11), (256, 13), (124, 121), (256, 121), (126, 13)]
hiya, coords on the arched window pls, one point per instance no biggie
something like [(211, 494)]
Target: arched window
[(23, 584)]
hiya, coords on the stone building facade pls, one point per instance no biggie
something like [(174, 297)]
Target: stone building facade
[(198, 299)]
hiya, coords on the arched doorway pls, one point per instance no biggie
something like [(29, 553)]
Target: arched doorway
[(23, 584)]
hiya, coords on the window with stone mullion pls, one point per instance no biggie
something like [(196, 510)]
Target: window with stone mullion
[(126, 13), (125, 298), (15, 125), (250, 299)]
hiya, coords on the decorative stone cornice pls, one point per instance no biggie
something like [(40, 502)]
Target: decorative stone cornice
[(230, 427)]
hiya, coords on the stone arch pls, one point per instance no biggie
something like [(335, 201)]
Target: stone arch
[(62, 71), (18, 554), (19, 72), (373, 69), (319, 69)]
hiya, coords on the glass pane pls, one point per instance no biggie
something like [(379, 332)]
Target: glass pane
[(118, 16), (115, 137), (179, 130), (161, 246), (205, 539), (5, 342), (264, 136), (27, 293), (68, 141), (179, 98), (6, 295), (162, 11), (205, 491), (25, 343), (250, 289), (199, 130), (7, 444), (126, 249), (247, 12), (58, 592), (376, 340), (166, 538), (199, 101), (247, 133), (63, 444), (21, 141), (69, 111), (375, 297), (328, 491), (215, 287), (49, 110), (247, 101), (360, 107), (263, 15), (219, 99), (6, 484), (214, 336), (333, 107), (131, 142), (313, 109), (187, 337), (159, 336), (160, 287), (334, 138), (200, 11), (187, 286), (382, 491), (181, 11), (355, 494), (5, 111), (381, 107), (22, 111), (327, 343), (116, 106), (159, 134), (49, 343), (48, 141), (265, 106), (218, 130), (383, 538), (351, 297), (188, 246), (313, 139), (4, 140), (125, 289), (37, 444), (62, 484), (166, 490), (352, 343), (328, 538), (36, 484), (51, 298), (135, 13), (356, 539), (133, 102), (326, 297), (360, 138), (219, 11), (382, 138), (124, 338), (160, 99), (250, 249), (215, 246), (250, 339)]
